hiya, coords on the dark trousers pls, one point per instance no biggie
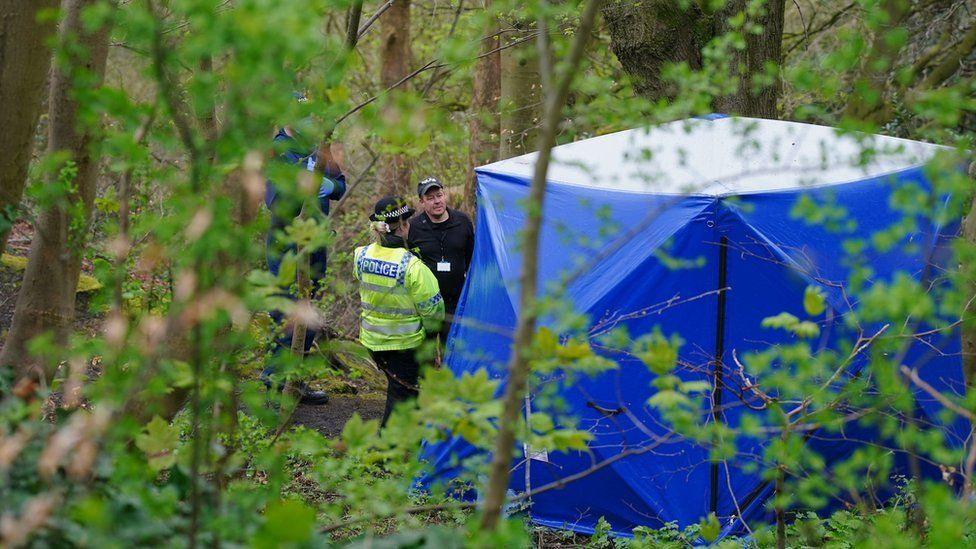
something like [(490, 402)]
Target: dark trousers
[(402, 373), (282, 343), (317, 262)]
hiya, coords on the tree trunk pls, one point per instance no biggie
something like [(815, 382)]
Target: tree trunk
[(47, 295), (518, 364), (521, 95), (483, 122), (647, 36), (761, 50), (968, 331), (395, 59), (24, 62)]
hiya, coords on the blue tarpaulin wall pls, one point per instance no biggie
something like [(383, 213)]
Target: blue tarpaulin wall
[(624, 252)]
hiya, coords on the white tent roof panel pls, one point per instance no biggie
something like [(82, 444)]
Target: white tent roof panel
[(723, 156)]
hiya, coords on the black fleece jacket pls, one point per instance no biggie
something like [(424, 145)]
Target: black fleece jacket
[(450, 243)]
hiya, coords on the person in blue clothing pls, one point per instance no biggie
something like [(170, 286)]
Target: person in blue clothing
[(284, 208)]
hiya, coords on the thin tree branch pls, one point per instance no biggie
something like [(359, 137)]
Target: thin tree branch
[(912, 375), (808, 34), (544, 51), (372, 19), (125, 184), (432, 64), (951, 63), (518, 363), (352, 28), (399, 83), (437, 71), (859, 347), (354, 184), (180, 119)]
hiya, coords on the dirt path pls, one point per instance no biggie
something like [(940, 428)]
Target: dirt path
[(329, 419)]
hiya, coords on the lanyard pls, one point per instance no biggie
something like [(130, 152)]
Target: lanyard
[(442, 237)]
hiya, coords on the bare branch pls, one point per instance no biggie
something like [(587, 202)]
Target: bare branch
[(450, 33), (352, 28), (432, 64), (951, 63), (912, 374), (808, 34), (859, 347), (372, 19), (124, 187), (170, 96), (544, 50), (518, 363)]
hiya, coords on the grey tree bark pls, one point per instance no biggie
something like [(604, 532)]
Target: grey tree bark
[(762, 50), (395, 59), (24, 63), (521, 95), (483, 126), (47, 295), (648, 35), (968, 331)]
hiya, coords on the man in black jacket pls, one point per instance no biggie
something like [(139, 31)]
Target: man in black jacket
[(444, 239)]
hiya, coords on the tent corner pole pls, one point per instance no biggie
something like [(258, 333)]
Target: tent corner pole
[(723, 257)]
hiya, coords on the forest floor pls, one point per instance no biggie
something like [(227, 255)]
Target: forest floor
[(329, 419), (359, 387), (10, 277)]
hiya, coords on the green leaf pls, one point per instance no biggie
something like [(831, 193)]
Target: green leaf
[(541, 423), (287, 269), (695, 387), (574, 351), (664, 400), (546, 342), (564, 440), (660, 354), (710, 528), (159, 443), (357, 432), (285, 522), (477, 387), (806, 329), (813, 301), (784, 321)]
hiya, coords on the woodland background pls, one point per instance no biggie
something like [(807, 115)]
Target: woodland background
[(135, 145)]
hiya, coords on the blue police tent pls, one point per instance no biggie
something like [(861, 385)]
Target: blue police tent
[(689, 226)]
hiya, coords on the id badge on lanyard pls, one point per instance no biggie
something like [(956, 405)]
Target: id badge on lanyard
[(443, 266)]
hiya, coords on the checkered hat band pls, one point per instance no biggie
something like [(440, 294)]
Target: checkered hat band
[(395, 213)]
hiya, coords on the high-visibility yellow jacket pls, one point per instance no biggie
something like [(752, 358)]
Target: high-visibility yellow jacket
[(399, 297)]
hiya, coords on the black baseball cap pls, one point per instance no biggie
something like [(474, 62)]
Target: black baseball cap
[(391, 208), (427, 184)]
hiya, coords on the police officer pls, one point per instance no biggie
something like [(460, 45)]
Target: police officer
[(284, 208), (400, 300), (444, 239)]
